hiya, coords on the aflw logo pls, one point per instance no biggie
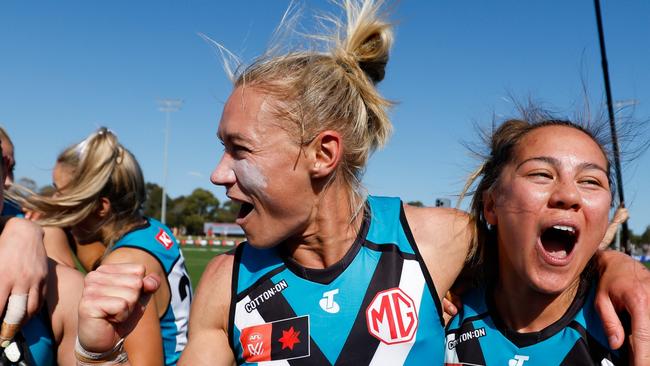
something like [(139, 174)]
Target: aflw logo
[(255, 345), (392, 317)]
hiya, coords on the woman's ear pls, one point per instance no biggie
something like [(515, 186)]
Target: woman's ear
[(489, 207), (104, 207), (326, 151)]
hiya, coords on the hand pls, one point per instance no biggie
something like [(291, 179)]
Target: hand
[(620, 216), (113, 301), (32, 215), (450, 305), (625, 286), (23, 263)]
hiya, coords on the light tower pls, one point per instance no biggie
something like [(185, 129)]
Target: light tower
[(167, 105)]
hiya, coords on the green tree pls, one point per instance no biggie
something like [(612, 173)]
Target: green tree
[(645, 237), (202, 203), (415, 203), (228, 211), (192, 211)]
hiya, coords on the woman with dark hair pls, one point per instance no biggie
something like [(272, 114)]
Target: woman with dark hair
[(540, 208)]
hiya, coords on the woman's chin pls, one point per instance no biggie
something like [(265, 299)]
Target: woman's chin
[(552, 283)]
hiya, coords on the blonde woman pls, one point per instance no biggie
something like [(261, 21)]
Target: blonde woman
[(100, 197), (328, 275)]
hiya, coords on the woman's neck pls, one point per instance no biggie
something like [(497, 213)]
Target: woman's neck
[(524, 309), (331, 231)]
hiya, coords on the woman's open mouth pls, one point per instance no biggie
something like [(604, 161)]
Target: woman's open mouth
[(557, 243), (244, 210)]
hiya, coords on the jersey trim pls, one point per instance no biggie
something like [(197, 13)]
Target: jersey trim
[(360, 342), (233, 297), (326, 275), (245, 292), (389, 247), (527, 339), (423, 266)]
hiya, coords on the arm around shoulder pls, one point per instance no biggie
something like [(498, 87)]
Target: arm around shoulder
[(443, 237), (624, 286), (208, 331)]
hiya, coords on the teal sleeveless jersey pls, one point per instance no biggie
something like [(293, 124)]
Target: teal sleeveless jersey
[(157, 240), (38, 336), (10, 208), (376, 306), (477, 336)]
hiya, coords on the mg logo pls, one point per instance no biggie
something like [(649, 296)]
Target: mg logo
[(392, 317)]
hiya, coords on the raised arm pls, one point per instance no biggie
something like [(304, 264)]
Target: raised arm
[(208, 331), (624, 286), (107, 314), (149, 352)]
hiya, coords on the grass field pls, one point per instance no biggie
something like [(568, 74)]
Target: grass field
[(196, 258)]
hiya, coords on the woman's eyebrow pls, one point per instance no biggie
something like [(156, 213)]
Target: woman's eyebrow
[(545, 159), (556, 163), (585, 166)]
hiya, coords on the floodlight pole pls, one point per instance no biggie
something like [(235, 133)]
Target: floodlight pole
[(624, 238), (167, 106)]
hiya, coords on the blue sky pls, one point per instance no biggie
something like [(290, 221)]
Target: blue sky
[(68, 67)]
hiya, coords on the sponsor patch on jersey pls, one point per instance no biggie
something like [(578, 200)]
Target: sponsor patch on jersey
[(267, 294), (164, 239), (284, 339), (392, 317), (466, 336)]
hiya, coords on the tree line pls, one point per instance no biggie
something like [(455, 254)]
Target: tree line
[(191, 211)]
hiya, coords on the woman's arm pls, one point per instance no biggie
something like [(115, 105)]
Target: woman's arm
[(57, 246), (443, 238), (65, 285), (208, 332), (114, 299), (624, 286), (149, 352)]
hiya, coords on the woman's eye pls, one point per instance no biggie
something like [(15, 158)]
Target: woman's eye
[(238, 150), (541, 175), (591, 182)]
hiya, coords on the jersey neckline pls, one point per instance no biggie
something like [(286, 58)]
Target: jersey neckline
[(327, 275), (530, 338)]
